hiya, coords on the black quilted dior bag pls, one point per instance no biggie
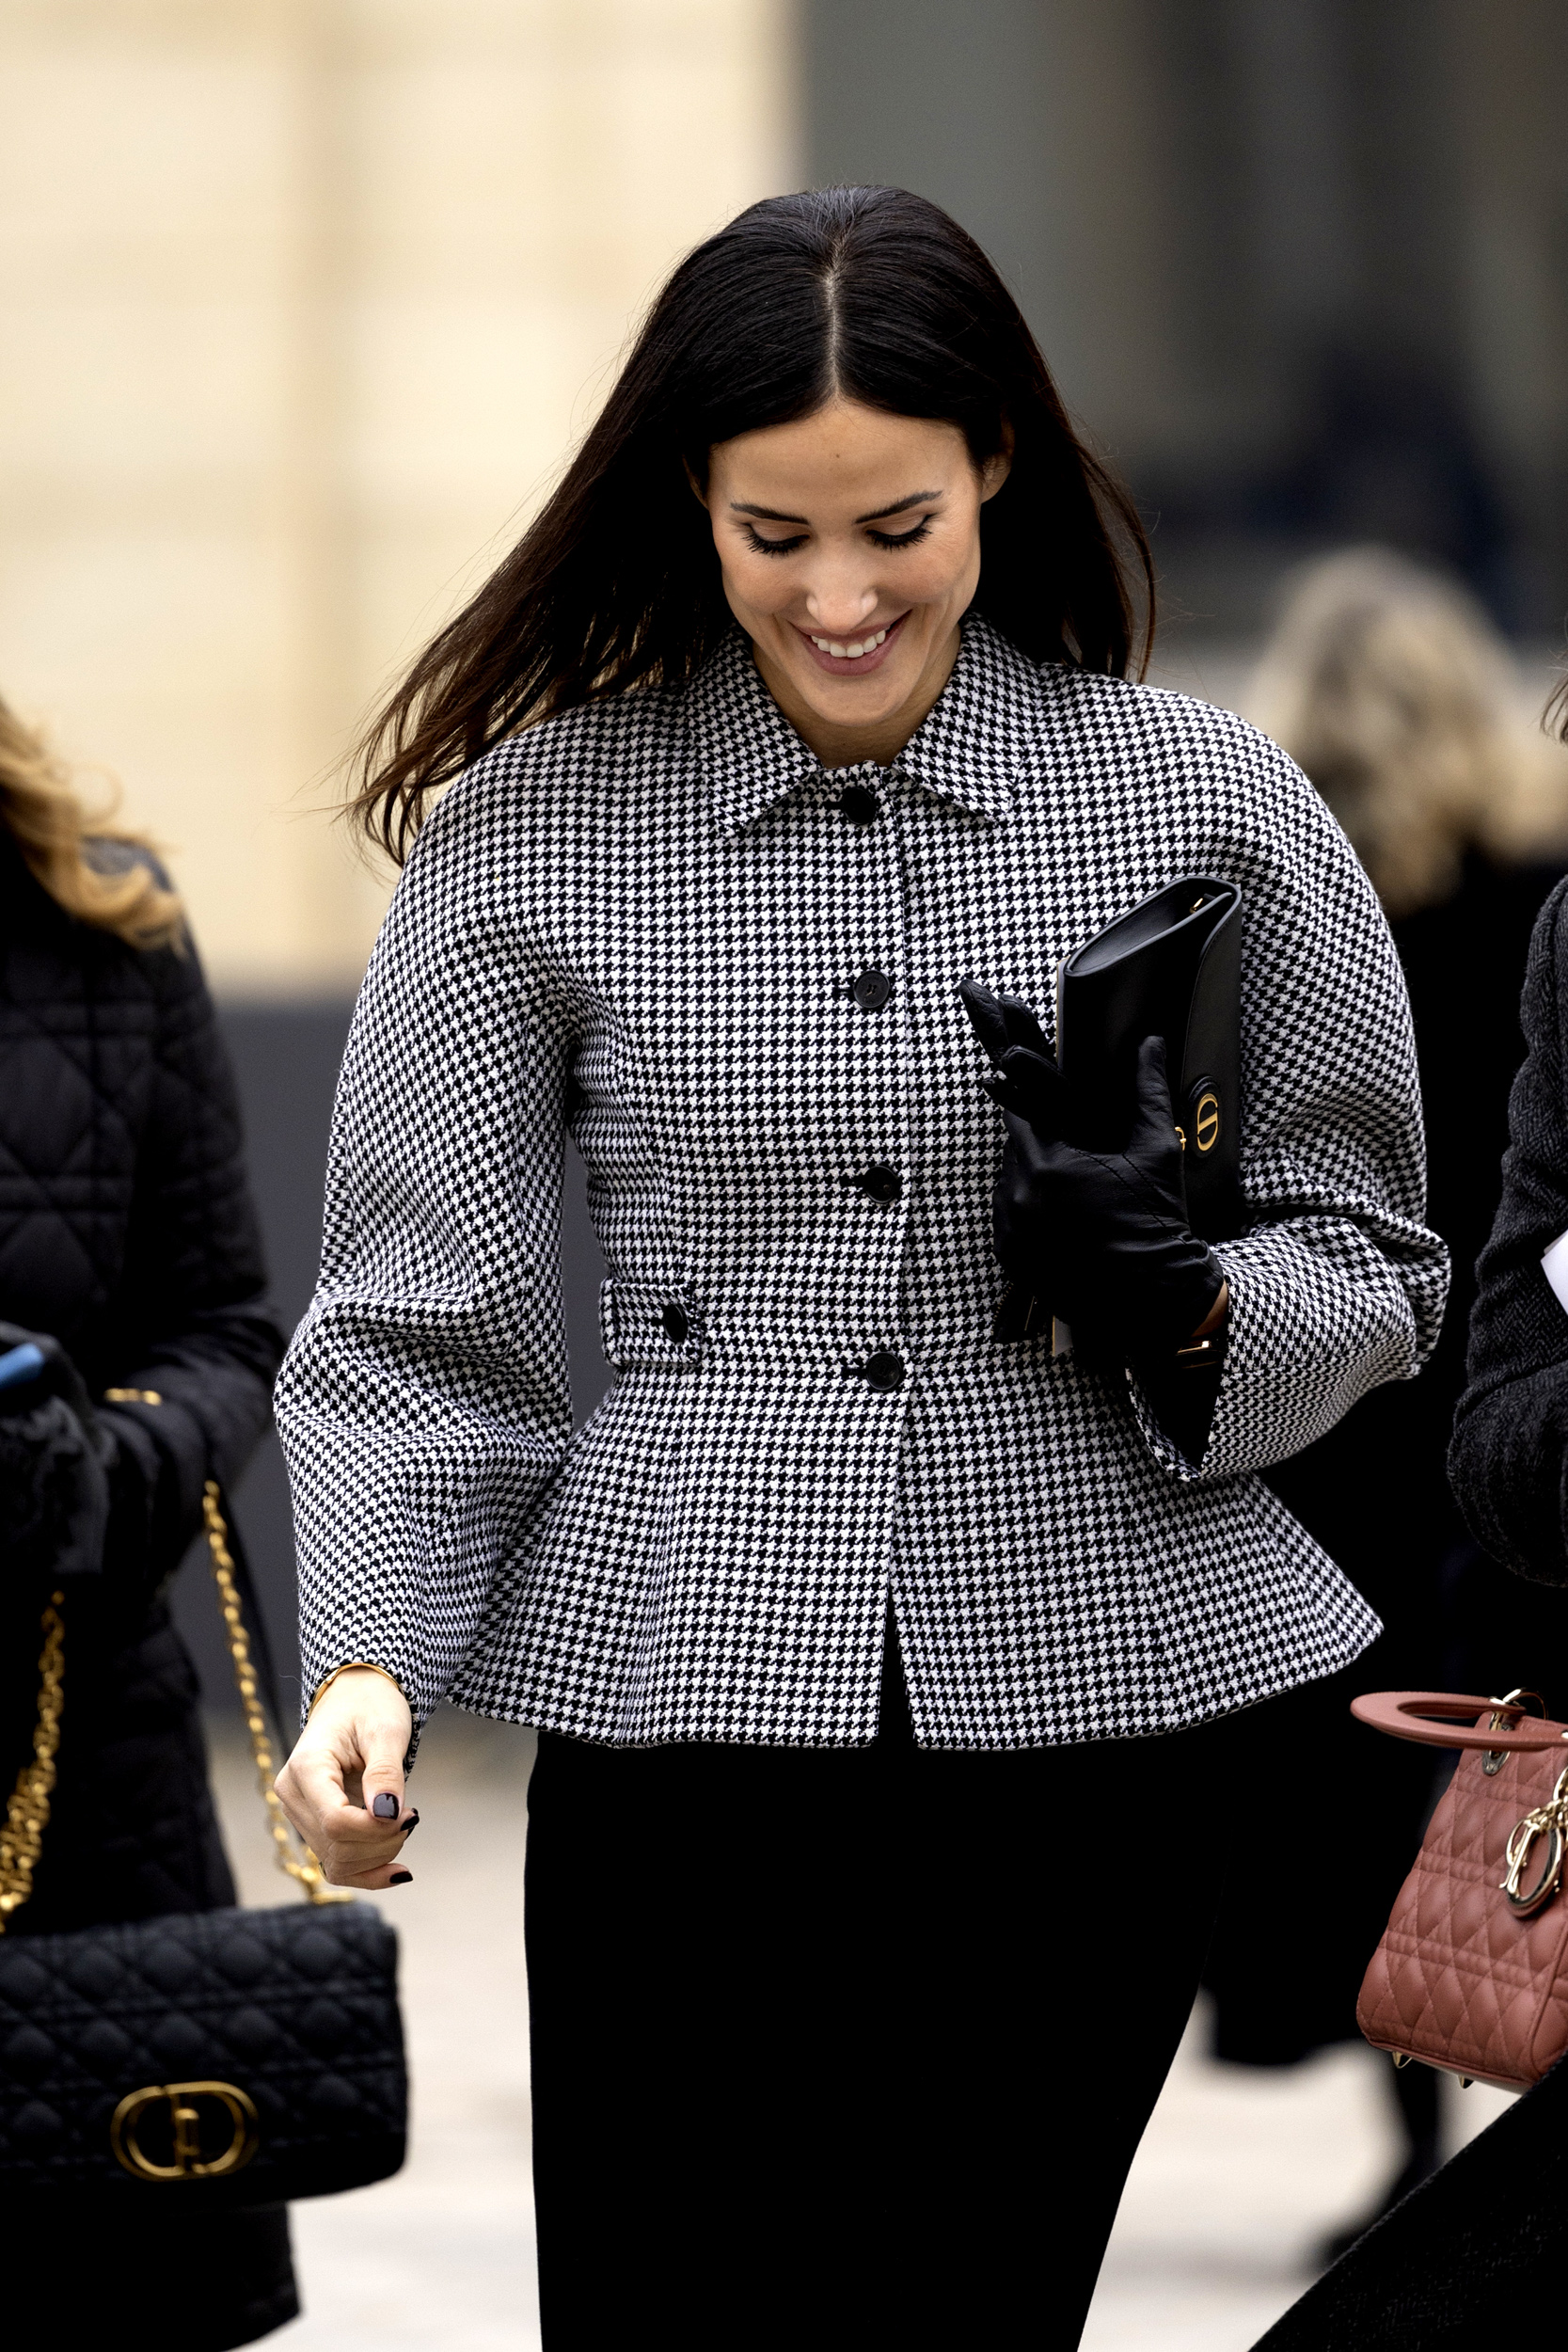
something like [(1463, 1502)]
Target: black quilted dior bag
[(246, 2055)]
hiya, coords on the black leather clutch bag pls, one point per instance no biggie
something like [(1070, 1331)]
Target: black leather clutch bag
[(249, 2057), (1170, 967)]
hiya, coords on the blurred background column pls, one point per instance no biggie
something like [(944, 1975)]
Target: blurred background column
[(306, 302)]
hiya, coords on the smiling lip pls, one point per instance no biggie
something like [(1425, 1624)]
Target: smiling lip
[(878, 644)]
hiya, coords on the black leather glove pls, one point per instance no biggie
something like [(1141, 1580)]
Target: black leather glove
[(55, 1462), (1101, 1238)]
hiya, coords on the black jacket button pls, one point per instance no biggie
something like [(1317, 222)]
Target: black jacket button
[(860, 804), (883, 1371), (676, 1327), (872, 989), (880, 1182)]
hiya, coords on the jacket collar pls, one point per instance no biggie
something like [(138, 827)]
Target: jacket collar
[(970, 750)]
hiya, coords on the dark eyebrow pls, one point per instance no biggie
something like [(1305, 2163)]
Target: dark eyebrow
[(899, 506), (916, 497)]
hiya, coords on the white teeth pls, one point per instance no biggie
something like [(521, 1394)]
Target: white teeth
[(852, 652)]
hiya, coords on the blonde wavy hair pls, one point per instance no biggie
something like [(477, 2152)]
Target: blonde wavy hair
[(92, 868), (1389, 686)]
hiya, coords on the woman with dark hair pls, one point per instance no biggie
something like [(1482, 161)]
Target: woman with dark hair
[(891, 1677), (136, 1352)]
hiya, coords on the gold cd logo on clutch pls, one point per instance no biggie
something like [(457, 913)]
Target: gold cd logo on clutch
[(1206, 1122), (186, 2123)]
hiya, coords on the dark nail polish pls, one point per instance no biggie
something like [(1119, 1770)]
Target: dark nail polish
[(412, 1823), (401, 1878), (385, 1806)]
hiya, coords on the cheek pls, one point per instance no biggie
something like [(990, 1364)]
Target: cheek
[(759, 582), (932, 574)]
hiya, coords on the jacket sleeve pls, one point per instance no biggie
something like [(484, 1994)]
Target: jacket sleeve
[(1509, 1458), (1336, 1285), (424, 1404), (192, 1322)]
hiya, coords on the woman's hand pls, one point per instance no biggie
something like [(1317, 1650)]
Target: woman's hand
[(1101, 1238), (342, 1787)]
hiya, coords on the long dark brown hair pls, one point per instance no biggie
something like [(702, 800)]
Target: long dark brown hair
[(871, 294)]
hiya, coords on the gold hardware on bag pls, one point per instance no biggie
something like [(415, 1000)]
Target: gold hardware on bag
[(1549, 1820), (1400, 2058), (1516, 1703), (1206, 1120), (308, 1872), (185, 2116), (132, 1396), (27, 1806)]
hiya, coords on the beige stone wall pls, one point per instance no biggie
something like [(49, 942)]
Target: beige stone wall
[(303, 302)]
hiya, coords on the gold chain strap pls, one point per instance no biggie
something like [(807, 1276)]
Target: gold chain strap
[(308, 1872), (27, 1806)]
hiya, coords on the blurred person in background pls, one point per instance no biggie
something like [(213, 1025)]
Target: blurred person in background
[(894, 1679), (1386, 683), (140, 1353)]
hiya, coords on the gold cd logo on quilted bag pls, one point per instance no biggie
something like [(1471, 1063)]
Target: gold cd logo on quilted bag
[(192, 2120)]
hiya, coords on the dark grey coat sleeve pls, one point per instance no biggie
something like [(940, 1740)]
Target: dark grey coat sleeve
[(192, 1322), (1508, 1456)]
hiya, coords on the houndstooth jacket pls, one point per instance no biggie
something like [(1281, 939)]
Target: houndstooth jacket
[(657, 925)]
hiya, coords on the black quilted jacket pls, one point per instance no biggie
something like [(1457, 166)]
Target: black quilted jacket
[(126, 1231), (1509, 1458)]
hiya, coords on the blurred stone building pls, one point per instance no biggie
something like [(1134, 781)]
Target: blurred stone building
[(304, 301)]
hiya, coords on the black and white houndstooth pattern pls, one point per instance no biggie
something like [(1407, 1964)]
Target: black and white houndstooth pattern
[(641, 922)]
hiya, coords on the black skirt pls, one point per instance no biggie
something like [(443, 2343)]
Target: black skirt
[(838, 2046)]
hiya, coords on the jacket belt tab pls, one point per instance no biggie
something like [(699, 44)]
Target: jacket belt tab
[(649, 1327)]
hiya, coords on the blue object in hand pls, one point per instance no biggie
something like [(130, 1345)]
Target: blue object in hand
[(21, 1365)]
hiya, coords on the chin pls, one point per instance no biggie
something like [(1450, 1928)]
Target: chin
[(857, 705)]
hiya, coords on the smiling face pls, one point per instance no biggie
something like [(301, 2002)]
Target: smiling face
[(849, 543)]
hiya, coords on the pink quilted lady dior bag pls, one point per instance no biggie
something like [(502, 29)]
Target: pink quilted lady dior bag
[(1472, 1971)]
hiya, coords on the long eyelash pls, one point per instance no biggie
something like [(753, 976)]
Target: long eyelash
[(903, 538), (760, 546)]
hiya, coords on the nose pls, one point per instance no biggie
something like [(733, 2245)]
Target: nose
[(837, 602)]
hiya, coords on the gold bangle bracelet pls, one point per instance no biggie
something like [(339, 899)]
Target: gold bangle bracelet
[(349, 1666)]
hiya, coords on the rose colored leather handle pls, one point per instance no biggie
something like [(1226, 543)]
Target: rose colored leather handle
[(1407, 1715)]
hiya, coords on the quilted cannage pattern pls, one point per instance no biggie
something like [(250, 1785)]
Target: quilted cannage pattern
[(1459, 1979), (126, 1228), (296, 2007)]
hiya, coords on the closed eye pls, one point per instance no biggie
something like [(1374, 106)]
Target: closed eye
[(901, 538), (759, 545)]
